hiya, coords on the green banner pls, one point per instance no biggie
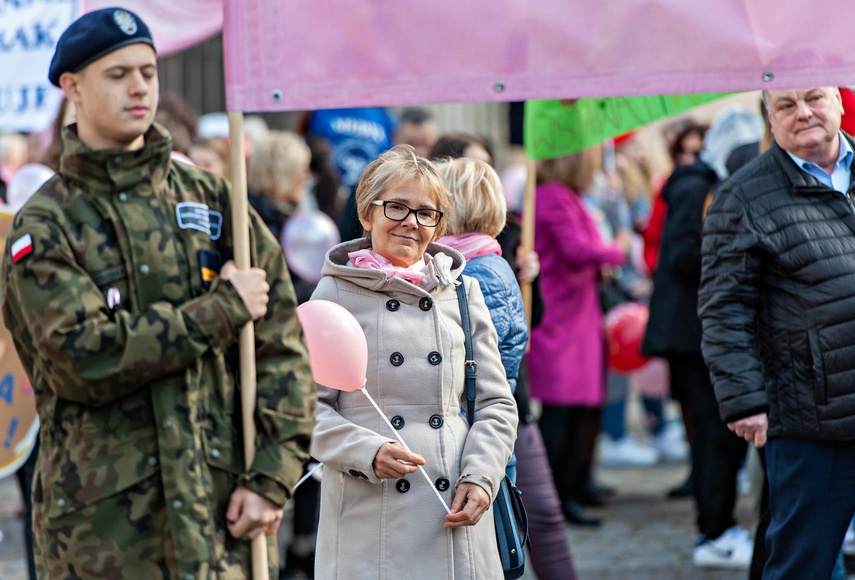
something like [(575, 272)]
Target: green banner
[(558, 128)]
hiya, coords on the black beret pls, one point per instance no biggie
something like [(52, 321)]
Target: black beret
[(94, 35)]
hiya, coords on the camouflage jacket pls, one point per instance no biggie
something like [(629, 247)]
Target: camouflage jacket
[(109, 289)]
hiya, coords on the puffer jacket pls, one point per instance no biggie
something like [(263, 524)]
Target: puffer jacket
[(777, 300), (504, 301)]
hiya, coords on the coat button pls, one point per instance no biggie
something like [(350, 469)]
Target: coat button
[(397, 422), (215, 453), (393, 305), (441, 484), (167, 424), (425, 304), (403, 485), (177, 504), (152, 460), (60, 503), (123, 197), (435, 421), (144, 269), (434, 358), (117, 160), (396, 359)]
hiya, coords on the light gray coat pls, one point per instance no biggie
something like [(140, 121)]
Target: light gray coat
[(370, 528)]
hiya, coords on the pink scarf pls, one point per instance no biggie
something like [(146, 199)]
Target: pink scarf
[(472, 245), (369, 259)]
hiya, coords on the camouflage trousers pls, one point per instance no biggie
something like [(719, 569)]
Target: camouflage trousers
[(128, 536)]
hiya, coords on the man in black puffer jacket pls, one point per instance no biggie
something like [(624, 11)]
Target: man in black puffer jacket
[(777, 305)]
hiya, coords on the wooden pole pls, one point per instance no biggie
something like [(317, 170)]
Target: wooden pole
[(527, 235), (240, 236)]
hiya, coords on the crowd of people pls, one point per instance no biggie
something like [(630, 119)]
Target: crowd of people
[(125, 305)]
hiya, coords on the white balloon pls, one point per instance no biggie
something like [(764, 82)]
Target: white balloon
[(24, 183), (306, 239)]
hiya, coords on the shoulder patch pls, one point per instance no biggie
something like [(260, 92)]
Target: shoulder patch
[(21, 248), (194, 216)]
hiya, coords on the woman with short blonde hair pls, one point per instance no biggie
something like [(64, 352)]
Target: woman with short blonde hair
[(478, 202), (378, 518), (401, 165)]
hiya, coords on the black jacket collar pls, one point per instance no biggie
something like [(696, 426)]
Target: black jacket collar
[(801, 181)]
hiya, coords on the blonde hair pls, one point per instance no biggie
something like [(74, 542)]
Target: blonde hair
[(277, 165), (477, 196), (575, 171), (401, 166)]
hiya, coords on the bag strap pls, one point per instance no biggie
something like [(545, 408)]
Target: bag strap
[(518, 507), (471, 365)]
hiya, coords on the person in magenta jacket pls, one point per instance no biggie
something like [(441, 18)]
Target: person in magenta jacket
[(566, 362)]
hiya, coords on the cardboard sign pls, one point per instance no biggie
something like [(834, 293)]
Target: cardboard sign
[(19, 423)]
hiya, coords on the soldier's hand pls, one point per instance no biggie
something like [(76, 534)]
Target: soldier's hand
[(251, 285), (250, 514)]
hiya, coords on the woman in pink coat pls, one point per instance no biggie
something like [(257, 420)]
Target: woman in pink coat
[(566, 362)]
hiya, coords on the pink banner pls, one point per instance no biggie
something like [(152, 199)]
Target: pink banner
[(293, 55), (176, 25)]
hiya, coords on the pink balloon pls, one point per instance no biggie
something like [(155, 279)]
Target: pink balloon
[(338, 352)]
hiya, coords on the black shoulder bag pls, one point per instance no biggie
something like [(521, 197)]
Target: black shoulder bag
[(508, 510)]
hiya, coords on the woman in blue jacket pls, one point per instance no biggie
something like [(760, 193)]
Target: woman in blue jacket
[(478, 215)]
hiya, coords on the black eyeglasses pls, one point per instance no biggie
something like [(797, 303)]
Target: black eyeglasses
[(397, 211)]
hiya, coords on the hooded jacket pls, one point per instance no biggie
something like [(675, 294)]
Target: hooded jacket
[(383, 529)]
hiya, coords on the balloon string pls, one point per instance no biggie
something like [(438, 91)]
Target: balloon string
[(305, 477), (398, 436)]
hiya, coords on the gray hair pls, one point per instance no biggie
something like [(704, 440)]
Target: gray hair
[(732, 127)]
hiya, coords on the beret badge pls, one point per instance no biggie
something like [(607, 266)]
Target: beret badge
[(125, 21), (94, 35)]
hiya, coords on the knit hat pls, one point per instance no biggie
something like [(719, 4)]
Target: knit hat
[(94, 35)]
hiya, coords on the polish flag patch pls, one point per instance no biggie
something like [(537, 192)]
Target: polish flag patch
[(22, 247)]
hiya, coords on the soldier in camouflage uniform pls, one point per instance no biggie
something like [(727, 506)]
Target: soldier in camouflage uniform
[(110, 290)]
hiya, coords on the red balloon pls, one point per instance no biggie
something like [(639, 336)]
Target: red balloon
[(625, 327)]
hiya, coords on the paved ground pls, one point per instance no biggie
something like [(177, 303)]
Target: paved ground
[(644, 537)]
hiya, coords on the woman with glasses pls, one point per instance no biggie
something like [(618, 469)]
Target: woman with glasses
[(379, 518)]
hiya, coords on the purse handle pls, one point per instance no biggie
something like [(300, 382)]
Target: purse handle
[(470, 364)]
